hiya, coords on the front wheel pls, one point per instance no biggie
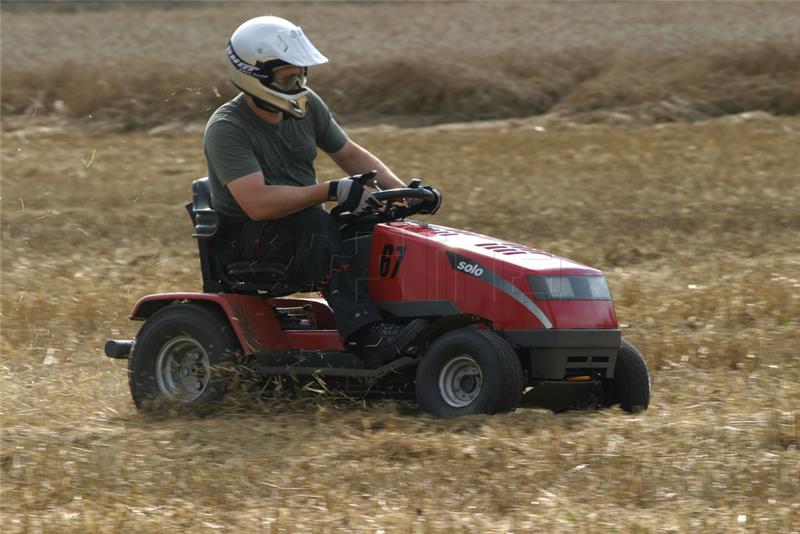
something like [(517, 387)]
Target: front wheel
[(630, 387), (184, 354), (469, 371)]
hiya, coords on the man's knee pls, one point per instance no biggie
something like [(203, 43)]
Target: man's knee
[(318, 219)]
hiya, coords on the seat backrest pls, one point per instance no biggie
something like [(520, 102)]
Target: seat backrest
[(206, 224)]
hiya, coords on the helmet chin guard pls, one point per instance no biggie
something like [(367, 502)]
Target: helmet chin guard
[(260, 46), (266, 106)]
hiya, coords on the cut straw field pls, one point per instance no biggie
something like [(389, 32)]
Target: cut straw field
[(695, 226), (640, 164)]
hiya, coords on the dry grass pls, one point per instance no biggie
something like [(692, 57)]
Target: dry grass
[(421, 63), (695, 226)]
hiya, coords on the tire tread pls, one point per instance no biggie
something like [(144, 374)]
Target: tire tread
[(511, 370), (631, 383)]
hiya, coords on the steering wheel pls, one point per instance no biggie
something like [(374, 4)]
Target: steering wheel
[(391, 210)]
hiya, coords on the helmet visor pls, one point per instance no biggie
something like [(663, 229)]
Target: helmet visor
[(295, 48)]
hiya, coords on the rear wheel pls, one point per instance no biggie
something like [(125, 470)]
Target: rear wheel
[(184, 354), (630, 387), (469, 371)]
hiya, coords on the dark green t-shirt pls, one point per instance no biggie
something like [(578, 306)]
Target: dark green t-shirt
[(237, 143)]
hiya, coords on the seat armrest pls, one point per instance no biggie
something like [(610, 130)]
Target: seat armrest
[(206, 220), (206, 224)]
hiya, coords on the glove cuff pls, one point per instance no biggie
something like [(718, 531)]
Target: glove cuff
[(333, 187)]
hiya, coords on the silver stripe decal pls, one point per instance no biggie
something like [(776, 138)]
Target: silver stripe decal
[(476, 270)]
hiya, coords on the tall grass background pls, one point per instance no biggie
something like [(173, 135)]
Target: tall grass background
[(140, 65)]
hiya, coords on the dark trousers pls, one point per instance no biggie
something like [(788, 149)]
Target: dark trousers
[(309, 245)]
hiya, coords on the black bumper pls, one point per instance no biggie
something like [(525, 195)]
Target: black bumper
[(556, 354), (560, 395)]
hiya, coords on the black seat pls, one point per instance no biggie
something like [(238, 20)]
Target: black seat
[(269, 279), (252, 270)]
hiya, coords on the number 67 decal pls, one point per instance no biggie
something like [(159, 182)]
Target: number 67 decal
[(385, 267)]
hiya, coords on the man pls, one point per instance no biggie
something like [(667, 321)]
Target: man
[(260, 148)]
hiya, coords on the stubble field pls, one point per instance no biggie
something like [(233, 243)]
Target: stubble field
[(694, 223)]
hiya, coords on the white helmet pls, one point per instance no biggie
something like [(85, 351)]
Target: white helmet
[(262, 45)]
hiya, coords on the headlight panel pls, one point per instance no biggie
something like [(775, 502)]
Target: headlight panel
[(591, 287)]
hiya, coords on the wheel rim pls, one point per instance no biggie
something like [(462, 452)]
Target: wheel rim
[(460, 381), (183, 369)]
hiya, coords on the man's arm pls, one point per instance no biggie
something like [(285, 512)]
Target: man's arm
[(268, 202), (355, 159)]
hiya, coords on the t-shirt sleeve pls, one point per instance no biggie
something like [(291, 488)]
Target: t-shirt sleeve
[(229, 152), (329, 135)]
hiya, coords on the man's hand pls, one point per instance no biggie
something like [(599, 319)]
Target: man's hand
[(427, 206), (351, 196)]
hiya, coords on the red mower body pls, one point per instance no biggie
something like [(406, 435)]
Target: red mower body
[(421, 270), (478, 275)]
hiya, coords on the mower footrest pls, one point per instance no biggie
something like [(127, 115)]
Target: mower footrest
[(307, 358), (354, 372)]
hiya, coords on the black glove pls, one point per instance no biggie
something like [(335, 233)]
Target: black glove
[(351, 197), (426, 206)]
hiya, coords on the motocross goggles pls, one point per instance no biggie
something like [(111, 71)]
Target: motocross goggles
[(282, 77), (289, 79)]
